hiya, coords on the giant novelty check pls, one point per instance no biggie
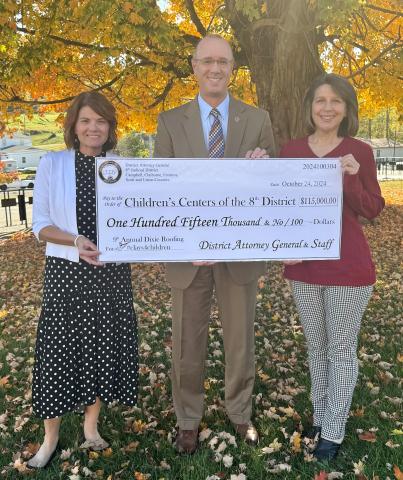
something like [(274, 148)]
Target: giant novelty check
[(185, 210)]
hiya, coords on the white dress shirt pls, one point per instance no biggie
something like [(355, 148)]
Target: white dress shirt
[(207, 119)]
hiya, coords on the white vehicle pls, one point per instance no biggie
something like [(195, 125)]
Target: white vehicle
[(27, 182)]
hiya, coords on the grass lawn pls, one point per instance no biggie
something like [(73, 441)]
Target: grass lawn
[(141, 437), (44, 130)]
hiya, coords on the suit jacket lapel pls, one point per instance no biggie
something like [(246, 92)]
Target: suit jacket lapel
[(236, 128), (194, 130)]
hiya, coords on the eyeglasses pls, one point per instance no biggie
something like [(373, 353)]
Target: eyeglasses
[(209, 62)]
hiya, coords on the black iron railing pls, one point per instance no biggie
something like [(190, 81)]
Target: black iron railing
[(18, 197)]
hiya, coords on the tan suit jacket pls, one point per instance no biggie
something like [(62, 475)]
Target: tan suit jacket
[(180, 135)]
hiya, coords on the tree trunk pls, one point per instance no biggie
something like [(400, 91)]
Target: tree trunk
[(283, 57)]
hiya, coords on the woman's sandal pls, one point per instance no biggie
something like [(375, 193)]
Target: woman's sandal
[(95, 445), (33, 467)]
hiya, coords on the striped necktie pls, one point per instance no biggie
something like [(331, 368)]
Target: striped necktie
[(216, 137)]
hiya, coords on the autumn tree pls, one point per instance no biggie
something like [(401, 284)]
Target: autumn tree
[(138, 53), (132, 145), (6, 177)]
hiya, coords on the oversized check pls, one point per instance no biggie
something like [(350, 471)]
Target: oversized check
[(218, 209)]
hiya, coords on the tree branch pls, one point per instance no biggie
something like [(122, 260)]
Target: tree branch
[(195, 19), (162, 96), (384, 10), (332, 38), (345, 54), (374, 60), (66, 41), (17, 99), (214, 15)]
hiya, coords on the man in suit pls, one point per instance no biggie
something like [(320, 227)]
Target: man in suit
[(213, 125)]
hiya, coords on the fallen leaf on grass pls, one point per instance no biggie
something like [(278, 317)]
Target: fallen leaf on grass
[(30, 449), (204, 434), (322, 475), (241, 476), (131, 447), (221, 447), (335, 475), (274, 446), (89, 473), (139, 426), (264, 377), (281, 467), (385, 365), (107, 452), (398, 473), (227, 460), (358, 467), (4, 418), (164, 465), (4, 380), (20, 421), (66, 454), (295, 441), (21, 466), (289, 411), (141, 476), (367, 437), (359, 412), (390, 444)]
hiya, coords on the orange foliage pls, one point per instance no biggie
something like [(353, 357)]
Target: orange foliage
[(138, 53)]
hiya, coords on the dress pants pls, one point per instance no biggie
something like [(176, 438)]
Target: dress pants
[(190, 329), (331, 318)]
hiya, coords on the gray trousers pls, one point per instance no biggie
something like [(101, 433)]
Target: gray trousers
[(331, 318)]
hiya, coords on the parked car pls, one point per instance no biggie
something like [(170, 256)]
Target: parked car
[(27, 182)]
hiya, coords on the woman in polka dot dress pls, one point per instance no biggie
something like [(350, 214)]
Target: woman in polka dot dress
[(86, 349)]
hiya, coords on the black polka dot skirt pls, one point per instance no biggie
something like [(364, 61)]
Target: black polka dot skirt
[(87, 333)]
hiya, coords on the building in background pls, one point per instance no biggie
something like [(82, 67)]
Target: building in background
[(17, 152), (385, 148)]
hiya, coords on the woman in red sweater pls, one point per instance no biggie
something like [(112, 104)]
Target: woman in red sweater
[(331, 295)]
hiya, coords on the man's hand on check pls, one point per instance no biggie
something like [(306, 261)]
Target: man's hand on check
[(257, 153)]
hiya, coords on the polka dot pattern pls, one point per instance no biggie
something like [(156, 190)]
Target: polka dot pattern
[(87, 334)]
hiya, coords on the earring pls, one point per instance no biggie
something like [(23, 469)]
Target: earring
[(76, 142)]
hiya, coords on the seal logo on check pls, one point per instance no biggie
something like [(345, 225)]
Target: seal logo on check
[(110, 171)]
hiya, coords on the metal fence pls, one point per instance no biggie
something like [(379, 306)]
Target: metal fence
[(16, 206), (389, 167)]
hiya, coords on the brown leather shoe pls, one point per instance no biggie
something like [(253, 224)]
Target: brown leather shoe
[(247, 432), (186, 441)]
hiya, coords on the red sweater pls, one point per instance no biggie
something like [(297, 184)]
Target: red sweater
[(361, 196)]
